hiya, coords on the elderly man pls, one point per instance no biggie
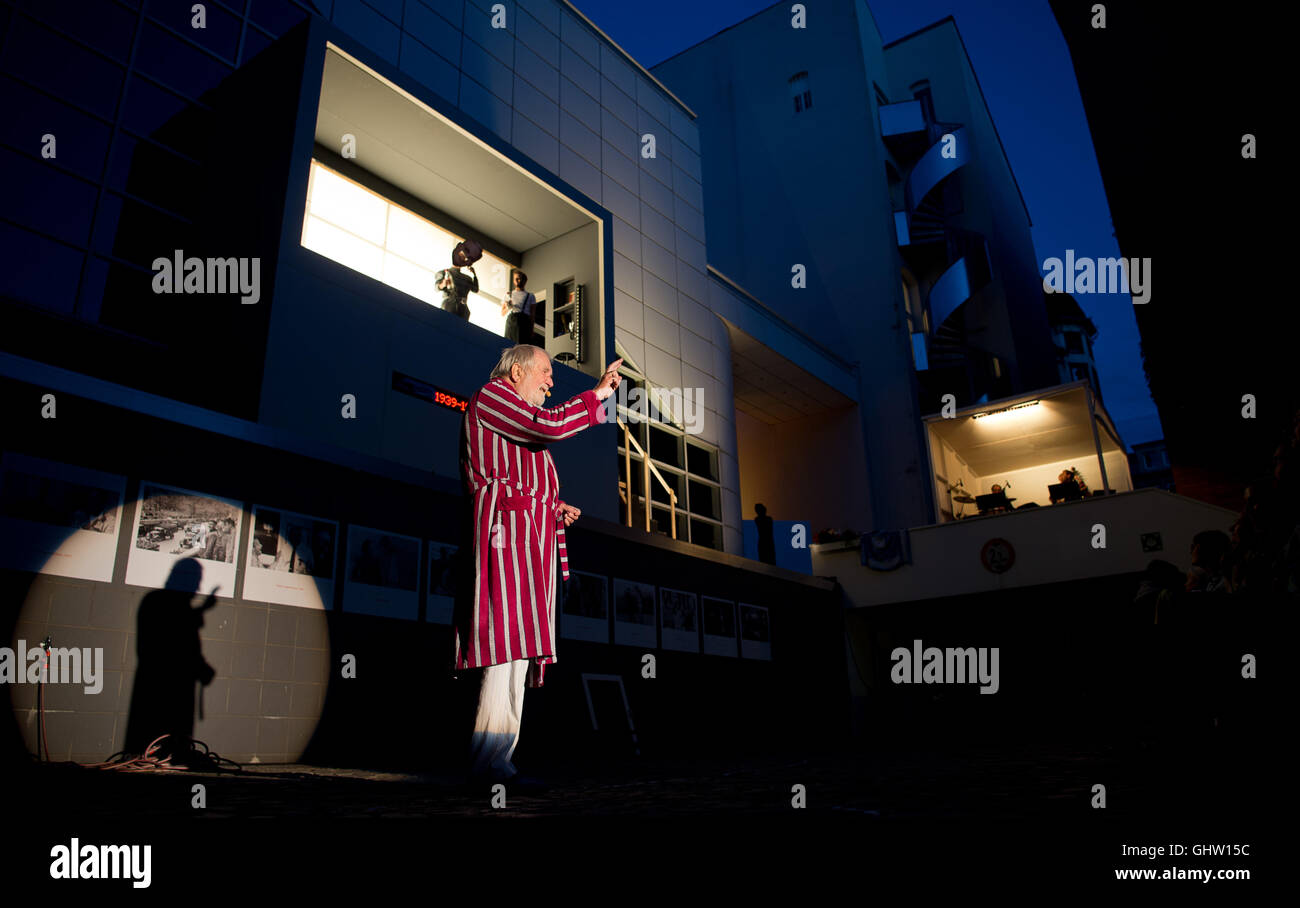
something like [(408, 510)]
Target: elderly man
[(506, 625)]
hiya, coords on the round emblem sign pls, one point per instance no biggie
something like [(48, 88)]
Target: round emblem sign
[(997, 556)]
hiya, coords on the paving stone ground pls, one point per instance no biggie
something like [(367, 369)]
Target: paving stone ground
[(1046, 782), (1003, 816)]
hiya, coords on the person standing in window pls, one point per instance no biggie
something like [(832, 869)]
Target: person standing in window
[(519, 305), (455, 284)]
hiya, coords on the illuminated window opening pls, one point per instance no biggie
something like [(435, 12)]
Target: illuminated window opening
[(357, 227)]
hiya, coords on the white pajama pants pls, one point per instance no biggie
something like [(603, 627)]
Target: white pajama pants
[(496, 724)]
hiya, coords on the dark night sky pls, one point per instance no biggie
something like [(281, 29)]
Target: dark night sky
[(1025, 72)]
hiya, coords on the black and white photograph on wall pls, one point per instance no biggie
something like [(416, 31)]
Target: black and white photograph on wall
[(584, 608), (718, 617), (755, 632), (291, 559), (634, 613), (678, 613), (59, 519), (382, 573), (173, 523), (443, 558)]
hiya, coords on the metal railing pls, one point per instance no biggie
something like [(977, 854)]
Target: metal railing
[(626, 491)]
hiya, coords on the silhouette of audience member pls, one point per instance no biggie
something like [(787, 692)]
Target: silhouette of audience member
[(1160, 585), (1209, 549), (766, 539), (169, 657), (1074, 476)]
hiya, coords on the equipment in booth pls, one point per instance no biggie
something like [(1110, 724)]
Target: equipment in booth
[(567, 316)]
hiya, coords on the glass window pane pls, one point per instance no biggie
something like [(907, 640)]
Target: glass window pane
[(49, 272), (343, 247), (702, 461), (147, 171), (706, 534), (91, 294), (675, 482), (346, 204), (414, 238), (661, 521), (81, 141), (665, 447), (410, 278), (130, 305), (220, 33), (135, 232), (177, 64), (45, 199), (105, 26), (153, 111), (704, 500), (37, 55), (277, 16), (254, 43), (638, 474)]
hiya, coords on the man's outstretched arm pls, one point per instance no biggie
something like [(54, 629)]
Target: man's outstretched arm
[(502, 410), (505, 412)]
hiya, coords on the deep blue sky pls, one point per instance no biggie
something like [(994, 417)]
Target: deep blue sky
[(1024, 69)]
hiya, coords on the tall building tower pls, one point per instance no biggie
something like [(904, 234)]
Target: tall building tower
[(861, 191)]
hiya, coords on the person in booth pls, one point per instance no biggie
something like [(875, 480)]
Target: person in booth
[(455, 284), (518, 308)]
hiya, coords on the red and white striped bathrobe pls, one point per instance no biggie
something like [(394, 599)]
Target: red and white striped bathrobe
[(511, 478)]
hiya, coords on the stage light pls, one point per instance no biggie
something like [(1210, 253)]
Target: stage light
[(1013, 410)]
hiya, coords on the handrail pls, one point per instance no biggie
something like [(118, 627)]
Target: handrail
[(628, 443)]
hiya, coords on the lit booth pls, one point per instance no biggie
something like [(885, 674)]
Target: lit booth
[(385, 178), (394, 186), (1009, 454)]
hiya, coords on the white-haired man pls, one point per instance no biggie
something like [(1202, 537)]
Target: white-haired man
[(505, 624)]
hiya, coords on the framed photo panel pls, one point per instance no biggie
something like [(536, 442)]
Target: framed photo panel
[(443, 561), (679, 620), (718, 620), (382, 574), (174, 524), (291, 559), (59, 519), (755, 632), (634, 613)]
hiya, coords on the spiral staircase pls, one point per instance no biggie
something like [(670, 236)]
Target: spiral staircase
[(952, 260)]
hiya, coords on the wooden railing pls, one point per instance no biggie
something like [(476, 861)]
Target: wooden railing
[(625, 490)]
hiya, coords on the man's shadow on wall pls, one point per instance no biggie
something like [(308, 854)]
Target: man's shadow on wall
[(169, 659)]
